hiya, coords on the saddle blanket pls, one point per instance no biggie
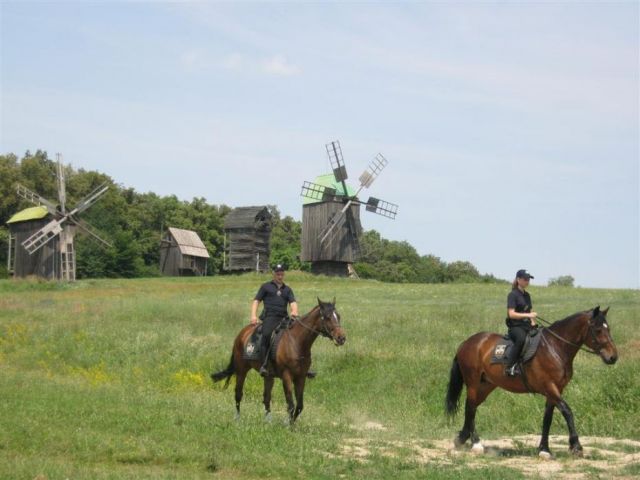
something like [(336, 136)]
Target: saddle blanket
[(501, 350), (252, 348)]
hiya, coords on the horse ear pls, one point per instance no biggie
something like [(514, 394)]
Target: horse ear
[(605, 311), (334, 301), (319, 301), (596, 311)]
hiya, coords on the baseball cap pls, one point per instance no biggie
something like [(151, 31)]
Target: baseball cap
[(524, 274)]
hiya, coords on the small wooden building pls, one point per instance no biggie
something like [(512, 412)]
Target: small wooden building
[(182, 253), (341, 248), (46, 261), (247, 233)]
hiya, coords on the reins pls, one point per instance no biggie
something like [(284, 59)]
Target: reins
[(318, 332), (579, 347)]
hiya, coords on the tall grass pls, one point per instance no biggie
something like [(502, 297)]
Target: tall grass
[(110, 379)]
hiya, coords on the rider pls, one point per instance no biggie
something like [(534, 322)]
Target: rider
[(520, 318), (276, 297)]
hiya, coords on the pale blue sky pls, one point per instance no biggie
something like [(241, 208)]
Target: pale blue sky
[(511, 129)]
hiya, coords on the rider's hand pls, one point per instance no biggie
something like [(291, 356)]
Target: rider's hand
[(532, 317), (254, 320)]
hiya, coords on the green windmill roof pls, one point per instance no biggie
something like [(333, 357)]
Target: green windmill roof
[(329, 180), (31, 213)]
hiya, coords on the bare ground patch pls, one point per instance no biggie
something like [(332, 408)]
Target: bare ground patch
[(606, 456)]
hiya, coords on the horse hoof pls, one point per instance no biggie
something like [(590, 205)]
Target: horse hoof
[(268, 418), (477, 448), (576, 451), (237, 417), (544, 455), (457, 443)]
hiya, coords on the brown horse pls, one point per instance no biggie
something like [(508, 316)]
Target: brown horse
[(292, 357), (547, 373)]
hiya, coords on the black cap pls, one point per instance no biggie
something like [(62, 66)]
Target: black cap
[(524, 274), (278, 268)]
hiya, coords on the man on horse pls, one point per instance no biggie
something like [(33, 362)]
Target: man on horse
[(520, 318), (276, 296)]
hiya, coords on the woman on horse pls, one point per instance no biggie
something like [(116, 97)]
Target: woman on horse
[(276, 297), (520, 318)]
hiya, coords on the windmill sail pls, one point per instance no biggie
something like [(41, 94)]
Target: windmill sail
[(382, 207), (42, 236), (36, 199)]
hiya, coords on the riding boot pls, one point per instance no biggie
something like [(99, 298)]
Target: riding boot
[(264, 369)]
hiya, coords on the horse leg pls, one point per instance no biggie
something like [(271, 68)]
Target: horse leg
[(266, 397), (240, 377), (574, 442), (475, 396), (543, 448), (299, 388), (287, 385)]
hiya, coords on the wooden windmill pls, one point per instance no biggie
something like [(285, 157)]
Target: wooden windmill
[(331, 215), (41, 240)]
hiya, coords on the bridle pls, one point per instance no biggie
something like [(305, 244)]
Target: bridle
[(579, 347), (324, 332)]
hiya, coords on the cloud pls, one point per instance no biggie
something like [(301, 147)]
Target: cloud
[(276, 65), (279, 66)]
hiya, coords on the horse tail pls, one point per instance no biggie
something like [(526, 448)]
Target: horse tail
[(226, 373), (454, 389)]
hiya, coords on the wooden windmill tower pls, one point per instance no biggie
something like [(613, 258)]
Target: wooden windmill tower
[(331, 215), (41, 238)]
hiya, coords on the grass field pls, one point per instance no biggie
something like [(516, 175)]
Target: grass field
[(110, 379)]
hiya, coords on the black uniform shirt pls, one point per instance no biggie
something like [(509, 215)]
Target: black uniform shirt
[(275, 298), (521, 303)]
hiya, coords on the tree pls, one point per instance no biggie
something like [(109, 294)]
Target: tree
[(561, 281)]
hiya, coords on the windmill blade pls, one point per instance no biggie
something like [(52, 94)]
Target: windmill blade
[(318, 192), (36, 199), (337, 163), (42, 236), (355, 232), (90, 199), (62, 190), (381, 207), (88, 229), (375, 167), (332, 228)]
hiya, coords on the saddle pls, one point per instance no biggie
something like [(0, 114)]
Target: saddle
[(501, 350), (253, 346)]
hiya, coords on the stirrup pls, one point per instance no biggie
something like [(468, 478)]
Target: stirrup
[(264, 371), (513, 370)]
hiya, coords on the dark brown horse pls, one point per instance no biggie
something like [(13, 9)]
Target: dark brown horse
[(547, 373), (292, 358)]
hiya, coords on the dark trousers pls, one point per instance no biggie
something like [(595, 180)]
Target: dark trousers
[(269, 324), (518, 334)]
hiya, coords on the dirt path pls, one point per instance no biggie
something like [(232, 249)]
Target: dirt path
[(615, 458)]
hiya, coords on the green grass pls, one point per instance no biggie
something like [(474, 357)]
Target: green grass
[(110, 379)]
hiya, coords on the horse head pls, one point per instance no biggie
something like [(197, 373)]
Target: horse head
[(599, 337), (330, 322)]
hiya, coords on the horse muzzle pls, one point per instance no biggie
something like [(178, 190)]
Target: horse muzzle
[(339, 340), (609, 357)]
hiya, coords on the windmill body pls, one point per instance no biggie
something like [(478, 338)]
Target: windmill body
[(41, 238), (331, 225), (182, 253), (247, 236)]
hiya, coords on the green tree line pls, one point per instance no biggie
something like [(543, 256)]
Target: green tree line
[(134, 222)]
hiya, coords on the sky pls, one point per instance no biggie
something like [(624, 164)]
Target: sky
[(511, 129)]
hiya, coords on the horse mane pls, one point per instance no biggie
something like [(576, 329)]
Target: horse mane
[(305, 316), (569, 319)]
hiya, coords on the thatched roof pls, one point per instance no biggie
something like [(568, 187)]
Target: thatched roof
[(246, 217), (189, 242)]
